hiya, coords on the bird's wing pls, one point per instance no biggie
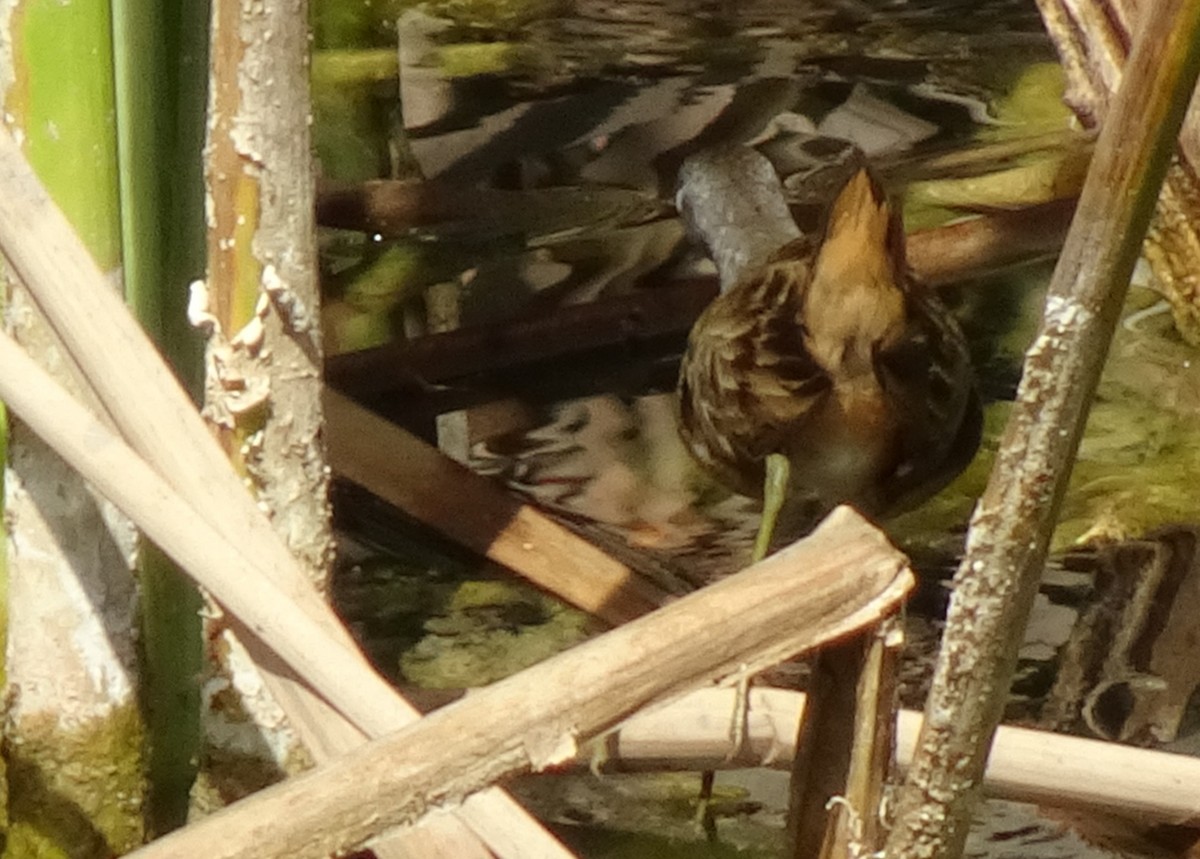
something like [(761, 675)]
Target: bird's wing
[(927, 374), (782, 379), (750, 378)]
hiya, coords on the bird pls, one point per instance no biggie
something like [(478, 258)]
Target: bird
[(823, 373)]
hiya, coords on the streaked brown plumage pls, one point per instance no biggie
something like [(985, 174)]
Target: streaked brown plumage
[(833, 356)]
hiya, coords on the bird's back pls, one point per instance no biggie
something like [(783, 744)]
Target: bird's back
[(829, 354)]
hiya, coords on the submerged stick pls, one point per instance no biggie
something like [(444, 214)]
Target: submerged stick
[(1010, 531), (732, 201), (405, 471)]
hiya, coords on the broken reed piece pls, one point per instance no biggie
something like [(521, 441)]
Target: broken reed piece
[(850, 824), (843, 577), (1025, 765), (844, 746), (1093, 40)]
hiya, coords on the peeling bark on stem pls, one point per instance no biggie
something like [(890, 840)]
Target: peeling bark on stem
[(1010, 532), (263, 362), (262, 250)]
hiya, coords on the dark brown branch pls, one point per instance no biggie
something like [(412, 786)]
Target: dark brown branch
[(939, 256), (642, 316), (969, 248)]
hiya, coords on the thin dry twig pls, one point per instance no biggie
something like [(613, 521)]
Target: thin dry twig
[(1010, 531)]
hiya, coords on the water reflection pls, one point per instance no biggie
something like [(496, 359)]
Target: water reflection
[(549, 142)]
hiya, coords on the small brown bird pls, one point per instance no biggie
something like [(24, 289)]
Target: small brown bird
[(823, 367)]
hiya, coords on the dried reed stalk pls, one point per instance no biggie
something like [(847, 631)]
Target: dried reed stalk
[(841, 578), (1010, 531), (1072, 773)]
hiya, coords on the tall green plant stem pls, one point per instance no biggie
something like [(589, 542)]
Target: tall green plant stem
[(160, 50), (73, 730)]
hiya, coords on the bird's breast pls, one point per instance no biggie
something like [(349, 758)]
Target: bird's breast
[(847, 446)]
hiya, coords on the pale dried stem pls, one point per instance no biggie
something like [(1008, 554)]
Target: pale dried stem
[(1071, 773)]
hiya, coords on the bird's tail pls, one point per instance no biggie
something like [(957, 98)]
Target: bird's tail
[(861, 232)]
